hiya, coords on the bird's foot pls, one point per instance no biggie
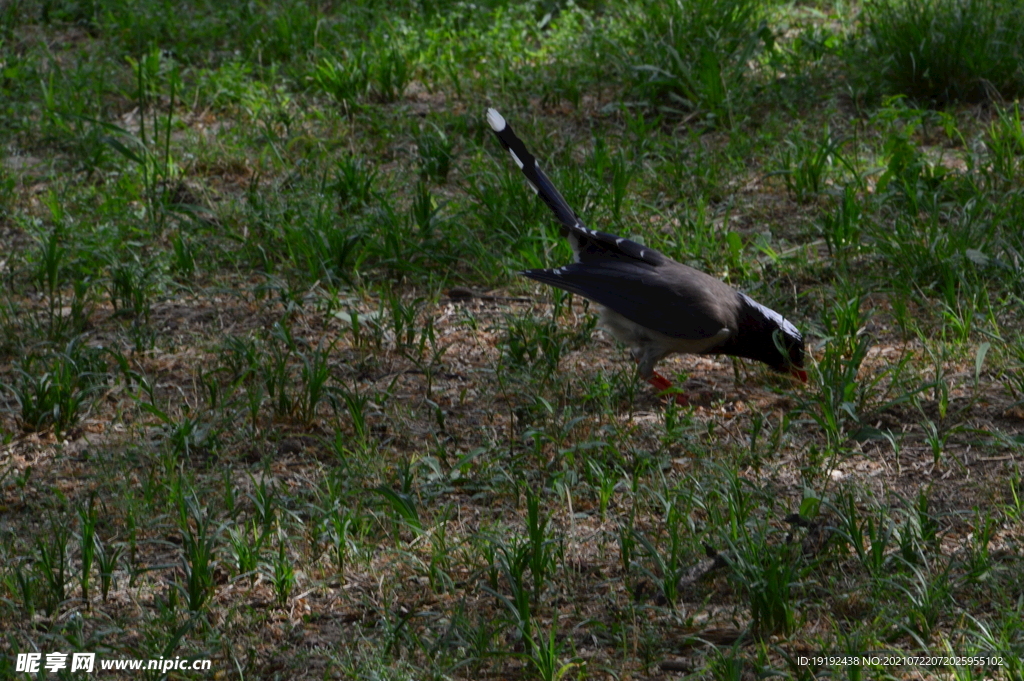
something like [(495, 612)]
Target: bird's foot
[(799, 374), (662, 384)]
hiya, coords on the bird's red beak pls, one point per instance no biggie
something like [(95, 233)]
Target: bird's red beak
[(799, 373)]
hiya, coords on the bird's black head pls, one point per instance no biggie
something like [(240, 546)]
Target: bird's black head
[(789, 349), (767, 336)]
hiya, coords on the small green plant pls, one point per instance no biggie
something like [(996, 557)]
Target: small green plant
[(512, 561), (246, 546), (538, 343), (198, 562), (53, 563), (354, 182), (604, 480), (343, 529), (264, 501), (546, 657), (1015, 507), (440, 569), (52, 261), (88, 517), (842, 396), (158, 170), (978, 564), (132, 285), (52, 390), (323, 246), (769, 574), (284, 574), (435, 153), (668, 560), (403, 500), (541, 547), (841, 228), (390, 71), (28, 589), (345, 77), (107, 558), (314, 376), (184, 260), (275, 370), (1005, 143), (926, 597), (807, 164)]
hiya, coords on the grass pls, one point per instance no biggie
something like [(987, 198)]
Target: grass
[(272, 394), (945, 50)]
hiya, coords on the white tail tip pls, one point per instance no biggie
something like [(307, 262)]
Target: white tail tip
[(495, 120)]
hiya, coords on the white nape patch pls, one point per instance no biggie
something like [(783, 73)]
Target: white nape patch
[(619, 241), (497, 123), (642, 253), (773, 316), (574, 243), (516, 159), (532, 185)]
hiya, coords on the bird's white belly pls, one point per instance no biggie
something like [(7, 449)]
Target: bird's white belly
[(632, 334), (648, 345)]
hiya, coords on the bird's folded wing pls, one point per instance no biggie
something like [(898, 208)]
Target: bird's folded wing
[(677, 308)]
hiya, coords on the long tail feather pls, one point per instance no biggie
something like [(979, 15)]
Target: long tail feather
[(534, 175)]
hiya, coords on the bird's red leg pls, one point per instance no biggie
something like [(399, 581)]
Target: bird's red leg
[(799, 373), (661, 384)]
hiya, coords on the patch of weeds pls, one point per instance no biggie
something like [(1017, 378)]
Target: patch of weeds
[(512, 560), (1004, 140), (696, 55), (939, 51), (183, 261), (294, 379), (71, 102), (53, 564), (390, 70), (246, 545), (345, 76), (403, 502), (157, 167), (354, 182), (770, 575), (541, 342), (927, 596), (911, 178), (53, 389), (541, 547), (870, 534), (808, 164), (132, 285), (283, 575), (198, 541), (422, 242), (187, 435), (88, 542), (841, 398), (841, 228), (435, 150), (107, 558), (669, 561), (546, 655)]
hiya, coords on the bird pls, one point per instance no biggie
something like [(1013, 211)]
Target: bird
[(648, 301)]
